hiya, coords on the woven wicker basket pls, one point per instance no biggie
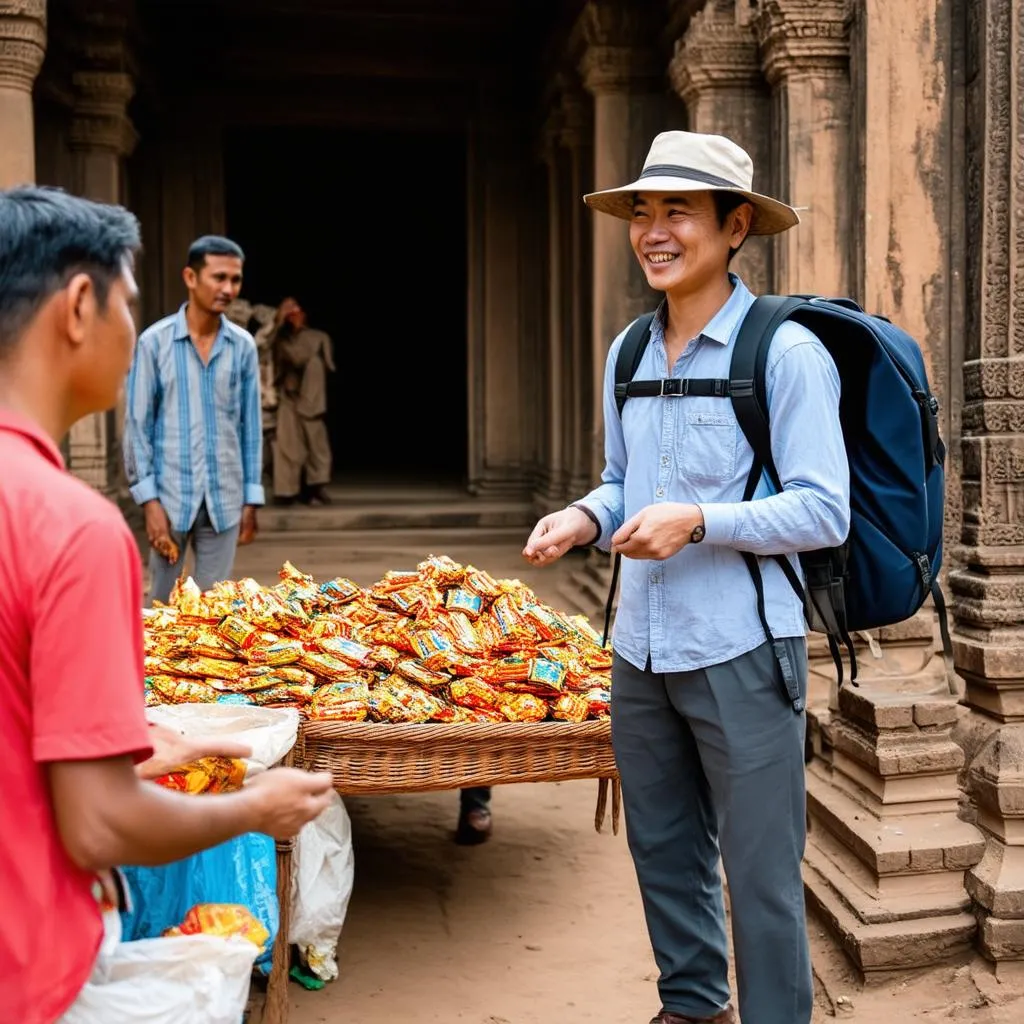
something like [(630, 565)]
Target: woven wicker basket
[(368, 757)]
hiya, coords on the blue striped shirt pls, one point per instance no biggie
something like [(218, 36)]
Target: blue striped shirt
[(194, 433), (698, 607)]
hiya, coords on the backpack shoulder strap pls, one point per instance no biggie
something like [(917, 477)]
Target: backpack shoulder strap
[(630, 353), (747, 380)]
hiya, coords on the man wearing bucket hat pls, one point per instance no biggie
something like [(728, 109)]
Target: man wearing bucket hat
[(709, 749)]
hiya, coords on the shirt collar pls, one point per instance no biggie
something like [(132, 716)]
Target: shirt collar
[(14, 423), (723, 325), (181, 326)]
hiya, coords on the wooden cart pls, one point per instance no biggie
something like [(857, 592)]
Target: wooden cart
[(375, 758)]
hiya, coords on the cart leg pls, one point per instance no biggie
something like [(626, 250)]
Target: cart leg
[(276, 1008)]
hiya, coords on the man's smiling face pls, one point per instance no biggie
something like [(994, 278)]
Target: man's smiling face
[(680, 241)]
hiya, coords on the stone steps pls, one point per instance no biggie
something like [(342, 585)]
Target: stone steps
[(399, 515)]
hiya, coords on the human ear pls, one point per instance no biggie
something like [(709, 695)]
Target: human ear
[(188, 275), (741, 220), (79, 308)]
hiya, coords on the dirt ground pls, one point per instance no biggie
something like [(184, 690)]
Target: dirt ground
[(542, 925)]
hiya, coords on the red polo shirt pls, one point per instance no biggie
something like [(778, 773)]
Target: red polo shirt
[(70, 690)]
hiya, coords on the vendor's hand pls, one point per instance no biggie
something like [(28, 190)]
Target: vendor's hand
[(287, 798), (108, 887), (657, 531), (172, 750), (158, 531), (556, 533), (249, 528)]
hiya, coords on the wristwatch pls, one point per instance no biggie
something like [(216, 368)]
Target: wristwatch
[(698, 534)]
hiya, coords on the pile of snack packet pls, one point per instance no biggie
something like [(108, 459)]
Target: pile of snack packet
[(443, 643)]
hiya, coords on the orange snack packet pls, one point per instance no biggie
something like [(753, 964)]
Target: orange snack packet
[(225, 920), (206, 775)]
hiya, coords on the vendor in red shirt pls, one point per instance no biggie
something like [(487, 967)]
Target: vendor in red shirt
[(73, 733)]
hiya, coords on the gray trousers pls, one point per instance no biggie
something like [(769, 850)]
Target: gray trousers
[(214, 557), (712, 764), (300, 443)]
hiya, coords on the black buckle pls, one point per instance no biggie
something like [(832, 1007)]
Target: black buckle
[(673, 387), (741, 388)]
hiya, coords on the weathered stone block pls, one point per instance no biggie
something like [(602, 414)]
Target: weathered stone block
[(938, 713), (877, 711)]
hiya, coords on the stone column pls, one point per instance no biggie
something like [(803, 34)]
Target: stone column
[(717, 72), (805, 55), (554, 476), (886, 852), (102, 136), (988, 591), (22, 48), (624, 75), (578, 403)]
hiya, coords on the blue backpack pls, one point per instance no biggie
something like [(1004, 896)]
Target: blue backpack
[(890, 562)]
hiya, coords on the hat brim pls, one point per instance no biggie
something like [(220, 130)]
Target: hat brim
[(770, 215)]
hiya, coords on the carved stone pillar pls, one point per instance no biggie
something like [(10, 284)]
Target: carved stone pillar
[(22, 48), (805, 55), (624, 75), (102, 136), (988, 591), (555, 474), (717, 72), (886, 852), (578, 403), (101, 132)]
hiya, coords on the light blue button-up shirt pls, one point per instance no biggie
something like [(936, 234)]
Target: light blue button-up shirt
[(194, 433), (698, 608)]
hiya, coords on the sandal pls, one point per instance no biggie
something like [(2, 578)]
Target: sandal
[(474, 827)]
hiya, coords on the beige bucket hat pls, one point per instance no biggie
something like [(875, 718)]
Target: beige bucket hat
[(692, 162)]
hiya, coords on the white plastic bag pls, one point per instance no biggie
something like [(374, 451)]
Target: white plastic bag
[(271, 732), (186, 979), (323, 875)]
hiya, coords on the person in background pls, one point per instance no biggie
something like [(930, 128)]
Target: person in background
[(709, 678), (302, 449), (258, 320), (193, 444), (72, 719)]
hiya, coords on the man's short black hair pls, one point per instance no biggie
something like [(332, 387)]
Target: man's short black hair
[(212, 245), (725, 203), (46, 237)]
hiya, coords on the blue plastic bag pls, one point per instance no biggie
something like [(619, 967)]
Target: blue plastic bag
[(242, 871)]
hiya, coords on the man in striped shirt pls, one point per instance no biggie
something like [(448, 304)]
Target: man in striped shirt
[(193, 438)]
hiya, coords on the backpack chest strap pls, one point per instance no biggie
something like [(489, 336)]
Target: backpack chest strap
[(683, 387)]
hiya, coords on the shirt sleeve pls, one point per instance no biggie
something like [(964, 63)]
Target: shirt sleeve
[(252, 428), (608, 500), (141, 394), (813, 510), (87, 650)]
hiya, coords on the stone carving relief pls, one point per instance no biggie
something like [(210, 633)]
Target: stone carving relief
[(803, 36), (22, 42), (615, 41), (716, 50), (100, 116)]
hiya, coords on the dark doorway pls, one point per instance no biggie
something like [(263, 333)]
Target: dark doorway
[(368, 231)]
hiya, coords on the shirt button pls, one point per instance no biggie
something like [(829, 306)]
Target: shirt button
[(664, 460), (660, 492)]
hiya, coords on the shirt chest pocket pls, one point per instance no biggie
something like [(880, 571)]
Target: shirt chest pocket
[(706, 446), (226, 387)]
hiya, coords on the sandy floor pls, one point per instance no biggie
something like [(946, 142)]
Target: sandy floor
[(542, 925)]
